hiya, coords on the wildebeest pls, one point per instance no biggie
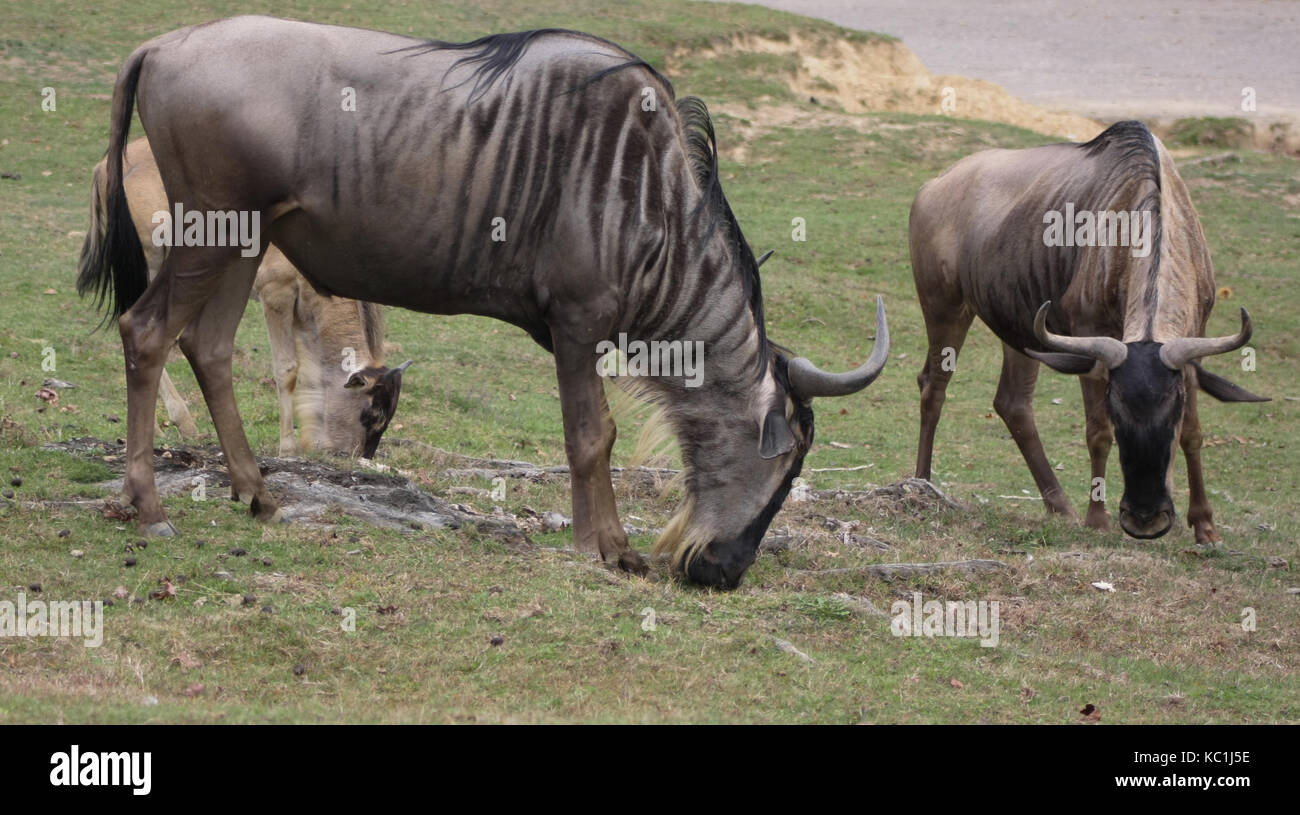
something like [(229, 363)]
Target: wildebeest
[(1131, 324), (328, 352), (545, 178)]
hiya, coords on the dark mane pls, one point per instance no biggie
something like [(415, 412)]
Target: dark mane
[(493, 56), (702, 152), (1129, 154)]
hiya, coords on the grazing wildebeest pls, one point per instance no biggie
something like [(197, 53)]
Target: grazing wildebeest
[(328, 352), (1131, 317), (544, 178)]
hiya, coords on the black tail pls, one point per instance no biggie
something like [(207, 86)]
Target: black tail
[(114, 268)]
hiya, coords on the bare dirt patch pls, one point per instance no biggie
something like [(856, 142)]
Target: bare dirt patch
[(309, 490), (887, 76)]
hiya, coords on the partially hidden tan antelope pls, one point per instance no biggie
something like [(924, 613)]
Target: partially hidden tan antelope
[(327, 351)]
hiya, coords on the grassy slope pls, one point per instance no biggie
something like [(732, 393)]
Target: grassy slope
[(1165, 646)]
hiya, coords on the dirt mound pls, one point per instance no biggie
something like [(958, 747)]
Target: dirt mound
[(859, 77), (308, 490)]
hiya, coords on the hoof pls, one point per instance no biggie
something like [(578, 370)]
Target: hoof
[(632, 562), (161, 529), (266, 512), (1101, 523)]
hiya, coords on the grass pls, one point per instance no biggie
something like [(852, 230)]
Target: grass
[(1165, 646), (1211, 131)]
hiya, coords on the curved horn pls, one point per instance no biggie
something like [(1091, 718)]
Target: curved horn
[(765, 256), (1177, 353), (1107, 350), (807, 380)]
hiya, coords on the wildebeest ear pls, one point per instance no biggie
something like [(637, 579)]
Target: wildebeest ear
[(1063, 363), (357, 380), (777, 439), (1222, 389)]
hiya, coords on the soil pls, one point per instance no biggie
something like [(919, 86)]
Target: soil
[(310, 492)]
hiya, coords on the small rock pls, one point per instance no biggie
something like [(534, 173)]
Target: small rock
[(266, 561), (267, 610), (8, 494), (198, 544), (16, 481), (299, 669), (1277, 562), (151, 701), (63, 533), (238, 551), (497, 640), (142, 544), (785, 645), (78, 553), (250, 599), (112, 418), (34, 588), (129, 562), (221, 575)]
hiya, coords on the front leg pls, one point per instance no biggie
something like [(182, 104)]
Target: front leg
[(589, 434), (177, 411), (279, 300), (1014, 402), (1199, 515)]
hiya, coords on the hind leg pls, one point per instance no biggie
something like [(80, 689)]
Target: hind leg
[(1014, 402), (209, 344), (946, 334), (190, 276)]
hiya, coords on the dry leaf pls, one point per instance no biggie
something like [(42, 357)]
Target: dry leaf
[(167, 592)]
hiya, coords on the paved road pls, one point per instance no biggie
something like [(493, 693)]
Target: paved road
[(1104, 58)]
